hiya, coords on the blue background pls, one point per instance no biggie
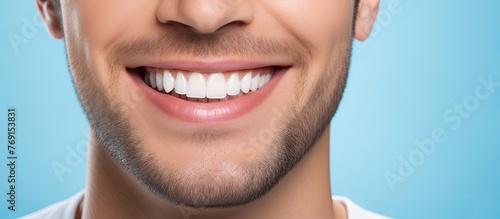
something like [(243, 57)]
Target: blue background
[(420, 61)]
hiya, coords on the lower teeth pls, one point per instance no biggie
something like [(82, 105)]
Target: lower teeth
[(202, 100)]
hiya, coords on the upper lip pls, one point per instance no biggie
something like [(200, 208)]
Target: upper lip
[(210, 65)]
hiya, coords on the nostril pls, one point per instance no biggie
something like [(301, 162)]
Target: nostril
[(234, 23), (177, 24)]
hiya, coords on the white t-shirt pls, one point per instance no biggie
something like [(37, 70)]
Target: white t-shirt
[(66, 209)]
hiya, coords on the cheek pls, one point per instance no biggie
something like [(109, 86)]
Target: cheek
[(105, 22), (318, 24), (92, 27), (324, 27)]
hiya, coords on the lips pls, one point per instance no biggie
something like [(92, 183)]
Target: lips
[(207, 97)]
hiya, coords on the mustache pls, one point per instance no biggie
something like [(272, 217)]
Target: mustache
[(176, 40)]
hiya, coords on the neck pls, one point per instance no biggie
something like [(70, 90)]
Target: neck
[(304, 192)]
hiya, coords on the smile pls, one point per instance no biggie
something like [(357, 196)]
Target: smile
[(207, 87), (201, 94)]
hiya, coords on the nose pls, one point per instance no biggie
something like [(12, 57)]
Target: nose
[(205, 16)]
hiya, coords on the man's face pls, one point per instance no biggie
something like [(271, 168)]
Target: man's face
[(221, 150)]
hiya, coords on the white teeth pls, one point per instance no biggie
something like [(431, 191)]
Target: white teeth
[(199, 88), (159, 81), (255, 83), (233, 85), (168, 81), (262, 81), (152, 79), (246, 82), (180, 83), (196, 86), (216, 86)]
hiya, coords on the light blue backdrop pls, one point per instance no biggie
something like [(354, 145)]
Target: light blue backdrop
[(424, 59)]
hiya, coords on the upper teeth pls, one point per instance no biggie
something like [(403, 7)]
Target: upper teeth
[(211, 86)]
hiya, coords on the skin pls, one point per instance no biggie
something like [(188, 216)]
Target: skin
[(144, 164)]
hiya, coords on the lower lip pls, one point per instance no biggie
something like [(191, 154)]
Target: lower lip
[(209, 112)]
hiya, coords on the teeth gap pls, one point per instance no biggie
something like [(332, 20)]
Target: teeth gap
[(192, 85)]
